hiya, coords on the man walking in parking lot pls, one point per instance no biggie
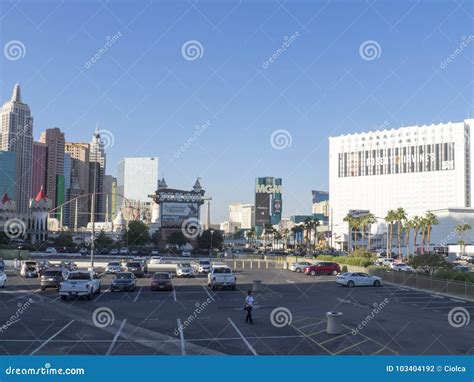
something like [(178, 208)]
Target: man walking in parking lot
[(249, 300)]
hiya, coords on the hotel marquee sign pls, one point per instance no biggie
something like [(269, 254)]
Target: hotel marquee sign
[(399, 160)]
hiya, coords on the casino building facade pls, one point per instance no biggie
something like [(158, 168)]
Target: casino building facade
[(419, 168)]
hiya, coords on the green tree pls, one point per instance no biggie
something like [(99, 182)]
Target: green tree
[(461, 229), (64, 239), (390, 218), (430, 221), (367, 221), (177, 239), (430, 262), (408, 225), (210, 239), (400, 217), (103, 241), (136, 234), (351, 222), (417, 225)]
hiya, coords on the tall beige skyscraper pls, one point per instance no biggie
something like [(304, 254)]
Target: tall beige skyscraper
[(16, 135), (54, 187), (97, 174)]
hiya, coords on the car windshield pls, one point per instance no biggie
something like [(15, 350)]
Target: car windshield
[(133, 264), (204, 263), (123, 276), (114, 264), (222, 270), (161, 276), (52, 273), (79, 276)]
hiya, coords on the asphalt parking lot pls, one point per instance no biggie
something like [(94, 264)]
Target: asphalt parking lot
[(289, 315)]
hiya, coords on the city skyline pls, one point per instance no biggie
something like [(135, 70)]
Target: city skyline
[(319, 73)]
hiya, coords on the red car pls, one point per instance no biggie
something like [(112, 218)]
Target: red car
[(161, 281), (322, 268)]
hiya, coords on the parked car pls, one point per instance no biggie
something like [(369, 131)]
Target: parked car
[(161, 281), (155, 252), (387, 262), (70, 265), (29, 269), (186, 253), (135, 267), (80, 283), (124, 251), (461, 268), (184, 270), (52, 278), (83, 251), (322, 267), (3, 279), (123, 281), (51, 251), (113, 267), (143, 264), (114, 251), (352, 279), (155, 260), (202, 266), (43, 266), (299, 266), (221, 276), (401, 267)]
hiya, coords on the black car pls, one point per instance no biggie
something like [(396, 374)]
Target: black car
[(123, 281), (51, 278), (136, 268)]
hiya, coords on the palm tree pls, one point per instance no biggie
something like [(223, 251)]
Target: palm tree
[(416, 227), (250, 234), (400, 216), (409, 224), (390, 219), (460, 229), (369, 219), (267, 231), (351, 221), (286, 235), (431, 220)]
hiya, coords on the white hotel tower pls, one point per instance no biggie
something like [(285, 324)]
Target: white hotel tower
[(419, 168)]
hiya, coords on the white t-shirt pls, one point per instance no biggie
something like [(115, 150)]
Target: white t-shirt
[(249, 300)]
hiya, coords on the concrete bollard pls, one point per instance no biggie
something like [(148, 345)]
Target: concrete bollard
[(334, 325), (257, 285)]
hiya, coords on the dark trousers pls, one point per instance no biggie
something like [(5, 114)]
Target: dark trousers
[(249, 314)]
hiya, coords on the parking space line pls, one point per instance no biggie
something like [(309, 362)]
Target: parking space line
[(334, 338), (208, 293), (181, 336), (109, 350), (352, 346), (100, 295), (242, 336), (174, 295), (138, 294), (52, 337)]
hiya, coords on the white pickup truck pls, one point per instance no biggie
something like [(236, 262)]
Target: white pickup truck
[(221, 276), (80, 283)]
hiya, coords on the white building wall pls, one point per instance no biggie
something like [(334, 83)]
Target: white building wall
[(417, 192), (137, 178)]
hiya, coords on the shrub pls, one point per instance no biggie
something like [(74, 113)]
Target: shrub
[(344, 269), (455, 276)]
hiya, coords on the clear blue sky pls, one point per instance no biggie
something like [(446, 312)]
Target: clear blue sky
[(151, 98)]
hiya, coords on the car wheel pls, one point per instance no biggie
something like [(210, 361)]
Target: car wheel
[(298, 270), (233, 288), (313, 273), (63, 297), (213, 287), (334, 273), (90, 295), (350, 284), (377, 283), (42, 288)]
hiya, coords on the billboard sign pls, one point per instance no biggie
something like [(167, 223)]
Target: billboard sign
[(262, 209), (276, 207), (268, 189), (179, 209)]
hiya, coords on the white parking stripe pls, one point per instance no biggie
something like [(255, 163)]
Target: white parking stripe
[(109, 350), (242, 336), (51, 338), (138, 294), (181, 336), (174, 295), (209, 294)]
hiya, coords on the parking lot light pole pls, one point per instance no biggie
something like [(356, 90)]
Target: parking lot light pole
[(212, 234)]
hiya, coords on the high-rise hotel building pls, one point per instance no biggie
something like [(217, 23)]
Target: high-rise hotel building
[(16, 135), (419, 168)]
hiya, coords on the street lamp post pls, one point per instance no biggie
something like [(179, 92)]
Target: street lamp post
[(212, 234)]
